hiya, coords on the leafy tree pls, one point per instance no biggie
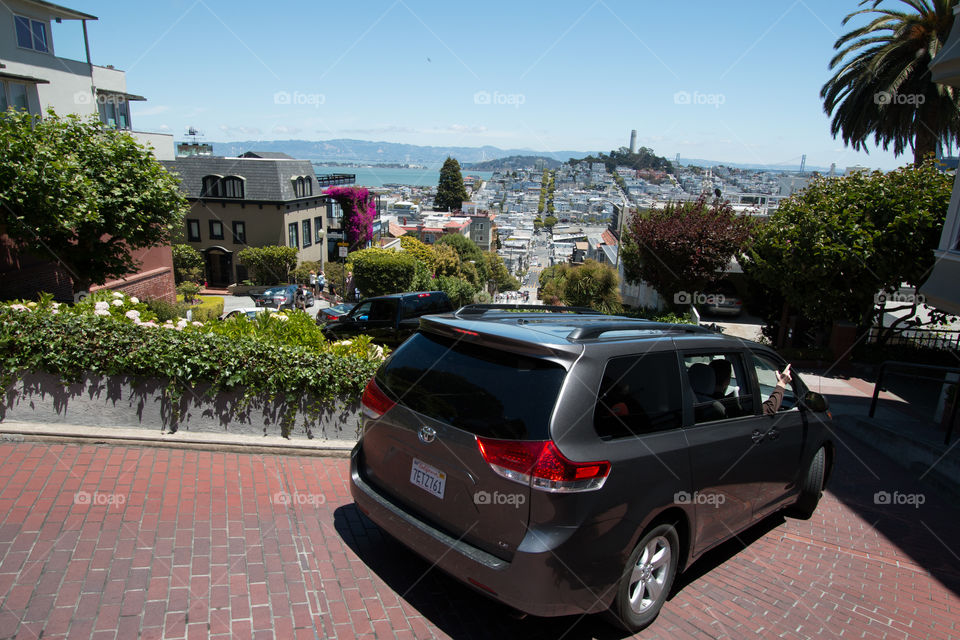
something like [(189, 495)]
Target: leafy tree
[(468, 251), (835, 248), (588, 285), (882, 85), (446, 260), (450, 190), (538, 223), (188, 263), (75, 192), (269, 265), (683, 247), (458, 290), (377, 272), (498, 273), (644, 158), (422, 252), (549, 222), (302, 273)]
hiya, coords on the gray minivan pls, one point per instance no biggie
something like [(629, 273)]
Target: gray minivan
[(569, 463)]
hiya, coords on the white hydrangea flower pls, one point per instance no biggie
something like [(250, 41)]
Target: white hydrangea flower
[(133, 314), (102, 306), (148, 324), (134, 300), (101, 312), (117, 294), (19, 307), (181, 323), (197, 324), (117, 303)]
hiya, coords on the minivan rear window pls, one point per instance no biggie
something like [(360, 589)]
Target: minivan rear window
[(486, 391)]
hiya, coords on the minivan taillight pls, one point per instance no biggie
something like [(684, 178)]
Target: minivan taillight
[(375, 402), (541, 465)]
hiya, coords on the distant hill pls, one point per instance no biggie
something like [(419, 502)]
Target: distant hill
[(366, 152), (644, 158), (514, 162)]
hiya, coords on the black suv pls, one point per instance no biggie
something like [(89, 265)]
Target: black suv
[(575, 462), (389, 319)]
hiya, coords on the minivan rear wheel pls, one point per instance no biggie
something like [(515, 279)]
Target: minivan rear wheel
[(647, 578)]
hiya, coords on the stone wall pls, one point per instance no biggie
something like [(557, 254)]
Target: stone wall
[(125, 401)]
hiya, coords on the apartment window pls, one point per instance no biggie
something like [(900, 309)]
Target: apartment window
[(193, 230), (336, 211), (302, 186), (292, 239), (13, 94), (239, 232), (306, 234), (114, 110), (31, 34), (215, 186), (318, 229), (216, 230)]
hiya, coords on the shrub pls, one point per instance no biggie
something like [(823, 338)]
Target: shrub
[(210, 308), (268, 265), (459, 291), (187, 263), (259, 356), (166, 310), (377, 271), (189, 290), (301, 274)]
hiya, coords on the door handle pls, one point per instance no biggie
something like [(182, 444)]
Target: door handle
[(756, 436), (773, 433)]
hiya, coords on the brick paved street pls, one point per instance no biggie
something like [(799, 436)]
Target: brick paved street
[(112, 542)]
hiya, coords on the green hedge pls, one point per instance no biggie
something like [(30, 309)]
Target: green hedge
[(261, 357)]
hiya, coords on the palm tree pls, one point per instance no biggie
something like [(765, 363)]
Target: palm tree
[(882, 85)]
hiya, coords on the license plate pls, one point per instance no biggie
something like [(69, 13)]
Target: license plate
[(428, 478)]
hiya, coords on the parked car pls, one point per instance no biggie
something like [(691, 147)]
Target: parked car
[(723, 302), (569, 463), (389, 319), (334, 313), (282, 297), (250, 312)]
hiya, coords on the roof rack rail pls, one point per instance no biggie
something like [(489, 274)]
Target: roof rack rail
[(596, 330), (481, 309)]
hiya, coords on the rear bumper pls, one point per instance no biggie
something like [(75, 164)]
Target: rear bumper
[(539, 582)]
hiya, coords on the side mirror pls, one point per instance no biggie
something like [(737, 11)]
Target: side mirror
[(815, 402)]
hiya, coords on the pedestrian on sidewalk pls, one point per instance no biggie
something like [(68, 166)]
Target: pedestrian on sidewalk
[(313, 282), (321, 281)]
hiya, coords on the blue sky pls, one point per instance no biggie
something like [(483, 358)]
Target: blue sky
[(733, 81)]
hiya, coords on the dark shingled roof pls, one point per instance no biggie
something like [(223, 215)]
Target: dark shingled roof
[(265, 180), (266, 155)]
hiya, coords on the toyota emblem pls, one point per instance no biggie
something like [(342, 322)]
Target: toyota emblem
[(427, 434)]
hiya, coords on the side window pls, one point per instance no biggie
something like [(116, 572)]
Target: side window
[(361, 311), (767, 370), (638, 394), (383, 310), (719, 386)]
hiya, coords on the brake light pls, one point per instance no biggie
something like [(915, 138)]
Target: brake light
[(375, 402), (541, 465)]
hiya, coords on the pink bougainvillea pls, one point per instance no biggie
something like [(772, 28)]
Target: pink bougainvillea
[(359, 212)]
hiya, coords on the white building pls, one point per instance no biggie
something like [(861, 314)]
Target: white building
[(34, 78)]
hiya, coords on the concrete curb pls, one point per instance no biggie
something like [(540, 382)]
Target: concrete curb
[(234, 443)]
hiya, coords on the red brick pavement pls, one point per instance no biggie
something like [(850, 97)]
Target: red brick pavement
[(112, 542)]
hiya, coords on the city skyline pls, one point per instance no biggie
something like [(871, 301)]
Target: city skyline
[(731, 87)]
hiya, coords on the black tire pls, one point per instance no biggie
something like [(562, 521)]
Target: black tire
[(647, 579), (812, 486)]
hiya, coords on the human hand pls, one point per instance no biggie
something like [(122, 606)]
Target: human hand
[(784, 377)]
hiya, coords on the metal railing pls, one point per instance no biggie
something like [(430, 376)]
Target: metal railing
[(944, 339), (896, 364)]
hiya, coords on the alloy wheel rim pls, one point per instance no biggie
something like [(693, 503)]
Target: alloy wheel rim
[(649, 575)]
